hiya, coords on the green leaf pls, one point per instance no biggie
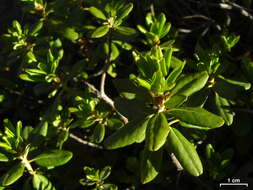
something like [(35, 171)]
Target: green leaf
[(12, 175), (223, 108), (99, 133), (105, 172), (100, 31), (70, 33), (124, 11), (36, 28), (190, 84), (175, 101), (127, 31), (40, 182), (53, 158), (3, 158), (184, 152), (197, 118), (175, 74), (97, 13), (245, 85), (158, 83), (157, 132), (150, 165), (142, 29), (133, 132), (209, 151)]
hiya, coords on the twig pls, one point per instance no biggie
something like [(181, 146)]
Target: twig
[(106, 99), (176, 162), (87, 143)]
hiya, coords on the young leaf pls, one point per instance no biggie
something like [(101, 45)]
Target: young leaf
[(223, 108), (105, 172), (150, 165), (40, 182), (197, 118), (53, 158), (158, 83), (97, 13), (184, 152), (157, 132), (124, 11), (190, 84), (12, 175), (3, 158), (131, 133), (175, 74), (100, 31), (99, 133)]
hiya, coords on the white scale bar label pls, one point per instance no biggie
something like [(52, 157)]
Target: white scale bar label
[(244, 184)]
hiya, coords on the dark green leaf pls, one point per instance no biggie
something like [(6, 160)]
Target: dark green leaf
[(131, 133), (100, 31), (53, 158), (127, 31), (99, 133), (185, 152), (175, 101), (150, 165), (157, 132), (12, 175), (197, 118)]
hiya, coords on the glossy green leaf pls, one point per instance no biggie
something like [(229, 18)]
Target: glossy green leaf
[(97, 13), (133, 132), (175, 101), (175, 74), (40, 182), (3, 158), (124, 11), (165, 30), (142, 29), (190, 84), (53, 158), (245, 85), (99, 133), (185, 152), (157, 132), (12, 175), (197, 118), (139, 81), (100, 31), (223, 108), (127, 31), (36, 28), (150, 165)]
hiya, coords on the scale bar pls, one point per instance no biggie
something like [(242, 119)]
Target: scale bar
[(243, 184)]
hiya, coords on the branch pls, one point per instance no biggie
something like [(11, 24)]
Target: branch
[(176, 162), (87, 143), (106, 99)]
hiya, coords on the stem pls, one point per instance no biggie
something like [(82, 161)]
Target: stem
[(27, 164), (78, 139)]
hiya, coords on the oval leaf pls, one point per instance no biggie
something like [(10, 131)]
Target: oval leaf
[(184, 152), (12, 175), (150, 165), (124, 11), (3, 158), (127, 31), (97, 13), (53, 158), (100, 31), (157, 132), (99, 133), (40, 182), (131, 133), (190, 84), (197, 118)]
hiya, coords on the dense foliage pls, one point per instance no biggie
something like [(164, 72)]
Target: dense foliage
[(124, 94)]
